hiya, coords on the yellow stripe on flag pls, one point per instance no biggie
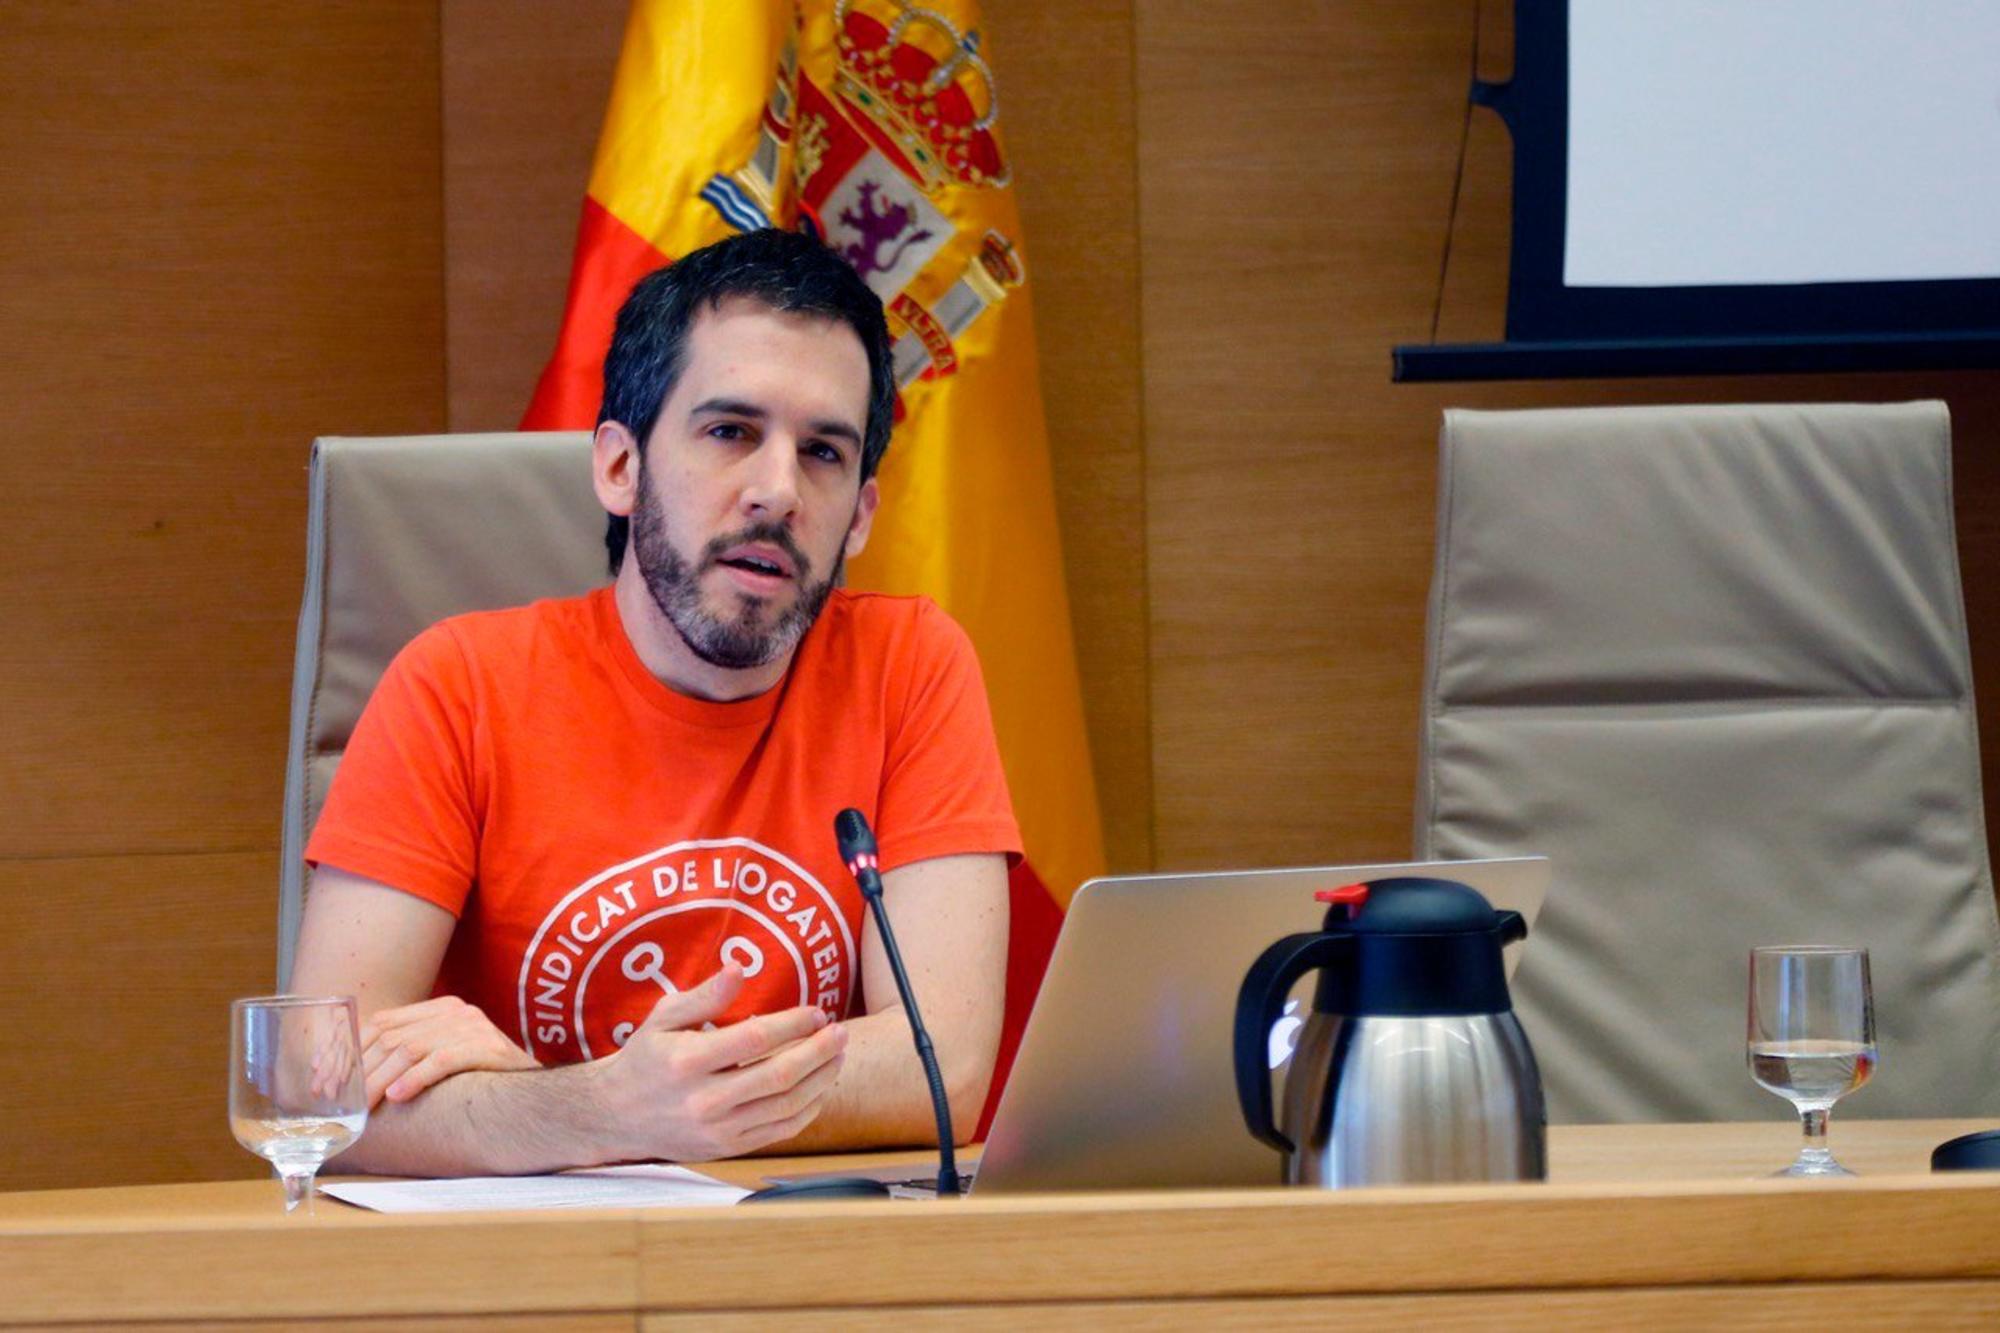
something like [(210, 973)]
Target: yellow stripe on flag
[(691, 82)]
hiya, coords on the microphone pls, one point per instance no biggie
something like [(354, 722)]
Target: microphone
[(857, 848), (856, 842)]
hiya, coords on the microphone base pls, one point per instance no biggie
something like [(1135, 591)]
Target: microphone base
[(829, 1189)]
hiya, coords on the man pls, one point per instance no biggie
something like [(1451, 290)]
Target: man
[(599, 830)]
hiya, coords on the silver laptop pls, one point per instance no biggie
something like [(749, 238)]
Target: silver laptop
[(1125, 1077)]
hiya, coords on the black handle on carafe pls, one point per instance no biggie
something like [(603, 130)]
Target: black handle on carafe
[(1513, 926), (1258, 1003)]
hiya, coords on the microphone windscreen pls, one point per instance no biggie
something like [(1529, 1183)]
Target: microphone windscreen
[(852, 834)]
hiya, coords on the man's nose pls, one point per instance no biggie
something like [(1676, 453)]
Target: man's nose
[(771, 487)]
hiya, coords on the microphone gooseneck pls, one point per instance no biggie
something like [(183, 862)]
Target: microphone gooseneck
[(857, 849)]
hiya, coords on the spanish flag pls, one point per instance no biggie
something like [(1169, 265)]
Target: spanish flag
[(876, 124)]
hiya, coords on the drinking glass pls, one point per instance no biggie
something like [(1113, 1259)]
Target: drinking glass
[(1812, 1037), (296, 1094)]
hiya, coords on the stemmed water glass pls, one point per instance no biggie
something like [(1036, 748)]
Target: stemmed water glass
[(296, 1092), (1812, 1037)]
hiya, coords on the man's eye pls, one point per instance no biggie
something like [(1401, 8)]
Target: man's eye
[(727, 430), (823, 451)]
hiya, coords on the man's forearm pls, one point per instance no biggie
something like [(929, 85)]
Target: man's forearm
[(883, 1099), (479, 1123)]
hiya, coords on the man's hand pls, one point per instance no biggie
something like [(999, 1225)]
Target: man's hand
[(686, 1095), (408, 1048), (950, 913)]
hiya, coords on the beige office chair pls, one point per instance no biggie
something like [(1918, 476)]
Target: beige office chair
[(402, 533), (1713, 661)]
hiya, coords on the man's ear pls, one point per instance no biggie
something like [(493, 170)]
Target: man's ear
[(614, 468), (864, 517)]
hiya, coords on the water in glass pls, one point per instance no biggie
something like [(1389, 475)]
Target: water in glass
[(1811, 1037), (1808, 1072), (290, 1140), (296, 1092)]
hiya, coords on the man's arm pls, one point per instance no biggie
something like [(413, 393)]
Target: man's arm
[(950, 918), (672, 1092)]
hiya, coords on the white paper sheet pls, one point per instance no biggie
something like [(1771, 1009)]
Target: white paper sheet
[(646, 1186)]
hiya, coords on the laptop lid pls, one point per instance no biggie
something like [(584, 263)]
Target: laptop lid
[(1125, 1074)]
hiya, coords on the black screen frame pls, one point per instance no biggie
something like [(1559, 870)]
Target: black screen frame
[(1534, 105), (1555, 331)]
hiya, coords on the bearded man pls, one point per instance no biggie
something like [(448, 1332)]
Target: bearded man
[(596, 832)]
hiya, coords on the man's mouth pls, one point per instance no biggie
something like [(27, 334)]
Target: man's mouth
[(764, 559)]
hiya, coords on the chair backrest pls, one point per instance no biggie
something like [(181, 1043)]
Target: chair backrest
[(400, 534), (1713, 661)]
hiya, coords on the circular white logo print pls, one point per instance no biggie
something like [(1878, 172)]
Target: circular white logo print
[(619, 943)]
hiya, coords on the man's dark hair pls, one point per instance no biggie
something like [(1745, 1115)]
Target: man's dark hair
[(786, 270)]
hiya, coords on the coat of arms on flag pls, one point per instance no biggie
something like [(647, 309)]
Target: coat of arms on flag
[(909, 113)]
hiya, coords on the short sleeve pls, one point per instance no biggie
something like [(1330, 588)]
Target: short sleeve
[(402, 809), (943, 790)]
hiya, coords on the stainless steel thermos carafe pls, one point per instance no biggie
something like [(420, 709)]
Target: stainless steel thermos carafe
[(1411, 1067)]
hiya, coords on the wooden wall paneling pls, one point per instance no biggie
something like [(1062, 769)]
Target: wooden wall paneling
[(525, 85), (1065, 71), (116, 975), (219, 237), (1471, 301), (1975, 407), (1295, 179)]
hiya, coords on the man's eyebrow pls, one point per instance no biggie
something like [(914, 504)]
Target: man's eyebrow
[(840, 430), (736, 407), (728, 407)]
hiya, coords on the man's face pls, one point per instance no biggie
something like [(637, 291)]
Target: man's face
[(750, 494)]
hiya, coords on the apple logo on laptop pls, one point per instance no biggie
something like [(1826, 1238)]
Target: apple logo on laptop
[(1285, 1034)]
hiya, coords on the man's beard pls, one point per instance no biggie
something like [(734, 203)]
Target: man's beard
[(753, 638)]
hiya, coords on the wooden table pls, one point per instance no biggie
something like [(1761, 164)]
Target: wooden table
[(1667, 1226)]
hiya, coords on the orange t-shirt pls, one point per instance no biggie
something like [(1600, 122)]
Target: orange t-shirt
[(602, 838)]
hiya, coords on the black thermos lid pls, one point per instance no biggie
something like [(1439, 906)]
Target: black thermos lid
[(1420, 946)]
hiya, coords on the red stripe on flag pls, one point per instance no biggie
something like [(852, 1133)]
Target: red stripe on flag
[(610, 258), (1033, 923)]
